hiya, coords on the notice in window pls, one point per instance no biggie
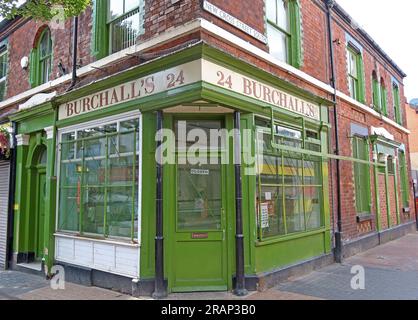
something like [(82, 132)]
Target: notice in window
[(264, 215)]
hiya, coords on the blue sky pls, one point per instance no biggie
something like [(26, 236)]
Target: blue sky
[(393, 25)]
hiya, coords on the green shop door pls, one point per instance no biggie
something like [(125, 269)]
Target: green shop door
[(199, 259), (40, 219)]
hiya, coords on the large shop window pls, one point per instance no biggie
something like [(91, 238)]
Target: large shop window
[(41, 60), (289, 184), (362, 175), (117, 25), (3, 71), (284, 30), (99, 170)]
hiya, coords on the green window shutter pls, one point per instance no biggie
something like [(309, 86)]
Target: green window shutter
[(361, 176), (376, 95), (100, 39), (296, 29), (384, 94), (33, 68)]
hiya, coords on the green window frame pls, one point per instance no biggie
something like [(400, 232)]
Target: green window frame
[(403, 170), (383, 97), (283, 22), (289, 184), (99, 173), (361, 150), (397, 104), (4, 64), (41, 60), (117, 25), (355, 70), (377, 101)]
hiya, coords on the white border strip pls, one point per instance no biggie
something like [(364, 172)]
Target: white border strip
[(219, 33)]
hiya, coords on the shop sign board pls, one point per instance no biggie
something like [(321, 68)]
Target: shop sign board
[(186, 74)]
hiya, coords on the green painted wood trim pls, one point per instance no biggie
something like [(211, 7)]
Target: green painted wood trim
[(100, 33), (279, 239), (296, 52), (396, 190), (376, 190), (389, 218)]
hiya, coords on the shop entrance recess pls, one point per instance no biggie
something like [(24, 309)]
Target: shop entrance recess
[(199, 260)]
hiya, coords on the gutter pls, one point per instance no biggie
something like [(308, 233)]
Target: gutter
[(12, 186)]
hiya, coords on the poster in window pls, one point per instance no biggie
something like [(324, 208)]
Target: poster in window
[(264, 215)]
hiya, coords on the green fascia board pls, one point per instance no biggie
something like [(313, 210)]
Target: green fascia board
[(34, 119), (385, 142)]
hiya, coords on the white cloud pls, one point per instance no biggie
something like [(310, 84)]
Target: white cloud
[(392, 24)]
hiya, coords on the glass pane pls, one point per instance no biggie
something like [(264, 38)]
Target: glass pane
[(271, 170), (115, 8), (270, 216), (68, 216), (312, 173), (131, 4), (67, 149), (70, 173), (277, 43), (271, 10), (293, 171), (126, 143), (93, 214), (121, 202), (94, 172), (3, 65), (121, 171), (45, 46), (2, 90), (195, 133), (199, 197), (295, 218), (46, 69), (282, 15), (125, 30), (94, 147), (313, 208), (352, 59)]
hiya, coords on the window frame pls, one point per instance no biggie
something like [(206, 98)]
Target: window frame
[(320, 187), (91, 124), (397, 103), (376, 94), (403, 172), (352, 52), (293, 35), (37, 69), (363, 207), (383, 97), (4, 54), (101, 38)]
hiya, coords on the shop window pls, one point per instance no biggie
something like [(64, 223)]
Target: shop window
[(99, 170), (383, 97), (117, 25), (289, 184), (3, 71), (391, 166), (284, 30), (41, 60), (397, 104), (403, 168), (361, 175), (355, 73), (376, 92)]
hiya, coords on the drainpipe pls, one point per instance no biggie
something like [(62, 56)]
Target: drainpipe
[(160, 291), (12, 184), (75, 53), (338, 233), (240, 265)]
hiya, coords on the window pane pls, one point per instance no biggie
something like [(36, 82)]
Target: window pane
[(121, 170), (271, 170), (352, 67), (93, 210), (124, 31), (121, 201), (115, 8), (313, 207), (45, 46), (312, 173), (270, 207), (295, 217), (271, 10), (67, 148), (2, 90), (293, 171), (127, 136), (131, 4), (277, 43), (282, 15), (68, 219), (3, 65), (70, 173), (94, 172), (199, 197)]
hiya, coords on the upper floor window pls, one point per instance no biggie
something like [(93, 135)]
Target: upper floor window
[(353, 73), (118, 23), (397, 104), (41, 60), (383, 97), (3, 71), (377, 102), (283, 30)]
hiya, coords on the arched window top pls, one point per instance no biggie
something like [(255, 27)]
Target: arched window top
[(45, 44), (382, 82), (374, 75), (43, 157)]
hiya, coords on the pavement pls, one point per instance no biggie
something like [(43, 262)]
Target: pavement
[(390, 273)]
